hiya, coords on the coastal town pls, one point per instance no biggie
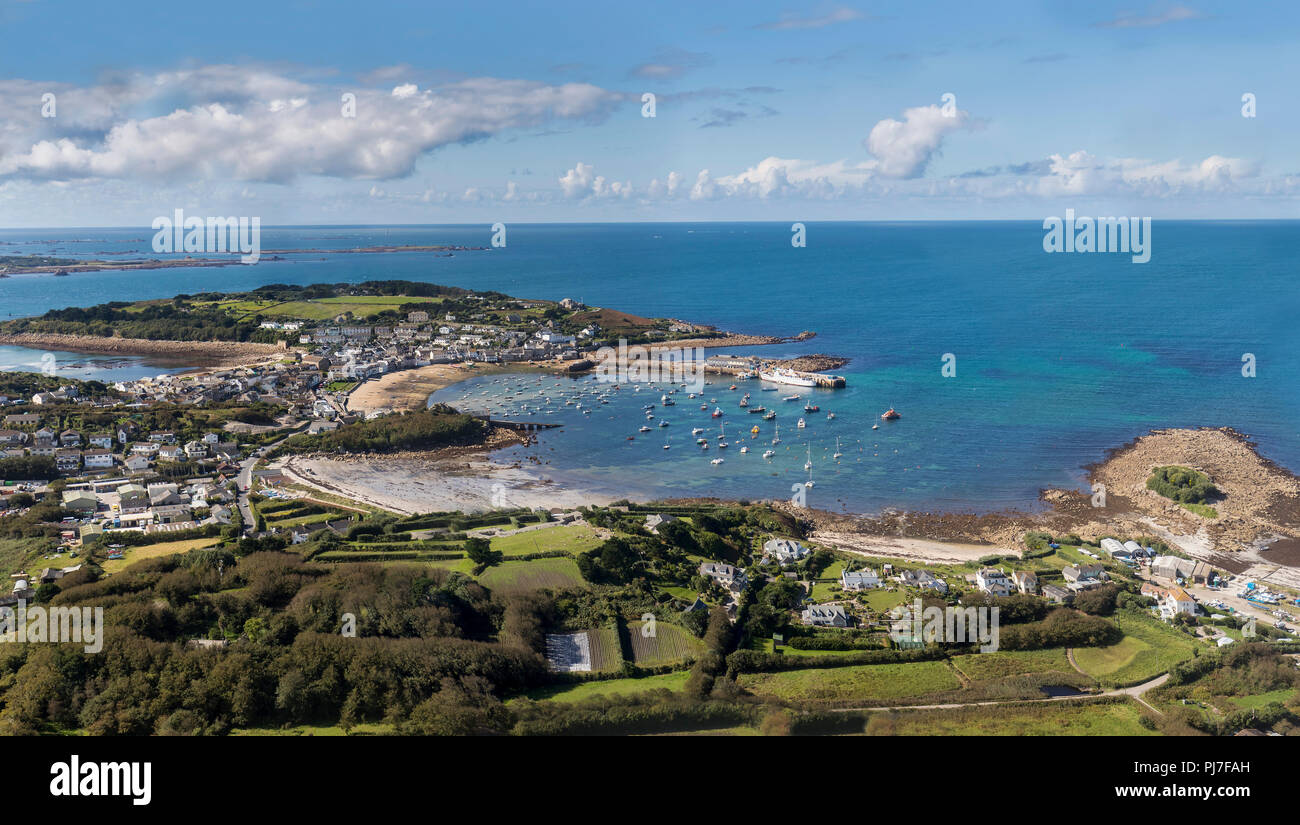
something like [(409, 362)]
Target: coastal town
[(101, 479)]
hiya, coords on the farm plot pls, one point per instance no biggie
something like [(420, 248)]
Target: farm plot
[(523, 576), (606, 652), (569, 652), (668, 645)]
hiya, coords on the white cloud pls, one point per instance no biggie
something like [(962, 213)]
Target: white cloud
[(904, 148), (582, 182), (253, 125)]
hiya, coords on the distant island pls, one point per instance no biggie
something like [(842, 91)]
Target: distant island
[(35, 264)]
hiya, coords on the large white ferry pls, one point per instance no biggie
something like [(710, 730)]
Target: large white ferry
[(784, 376)]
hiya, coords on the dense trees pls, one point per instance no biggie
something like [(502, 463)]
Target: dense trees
[(429, 429), (1182, 484), (423, 644)]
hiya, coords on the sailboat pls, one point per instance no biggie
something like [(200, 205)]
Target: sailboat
[(776, 437), (808, 466), (837, 452)]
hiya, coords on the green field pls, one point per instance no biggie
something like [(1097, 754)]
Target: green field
[(864, 682), (1044, 719), (669, 644), (999, 664), (610, 687), (522, 576), (606, 652), (569, 538), (322, 309), (829, 590), (1149, 648), (881, 601), (153, 551), (1259, 700)]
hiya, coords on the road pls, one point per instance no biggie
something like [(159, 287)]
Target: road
[(1137, 692), (245, 482)]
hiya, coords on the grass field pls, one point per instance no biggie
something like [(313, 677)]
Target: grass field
[(1149, 648), (153, 551), (323, 309), (766, 646), (1259, 700), (21, 554), (866, 682), (1046, 719), (669, 644), (980, 666), (881, 601), (606, 652), (827, 591), (610, 687), (569, 538), (522, 576)]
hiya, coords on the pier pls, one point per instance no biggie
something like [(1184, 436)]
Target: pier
[(735, 365), (522, 426)]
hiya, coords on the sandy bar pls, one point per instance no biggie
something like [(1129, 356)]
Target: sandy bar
[(191, 353), (922, 550)]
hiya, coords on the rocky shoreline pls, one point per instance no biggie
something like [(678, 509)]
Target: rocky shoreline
[(1259, 505)]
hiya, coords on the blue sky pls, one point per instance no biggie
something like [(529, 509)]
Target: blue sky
[(532, 112)]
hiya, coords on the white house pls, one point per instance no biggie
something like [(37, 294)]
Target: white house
[(1177, 601), (732, 578), (994, 582), (97, 459), (859, 579), (785, 551)]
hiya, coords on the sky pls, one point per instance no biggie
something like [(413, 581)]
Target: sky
[(318, 112)]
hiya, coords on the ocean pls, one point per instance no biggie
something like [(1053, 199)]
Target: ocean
[(1058, 357)]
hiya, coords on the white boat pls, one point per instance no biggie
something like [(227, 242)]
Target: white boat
[(785, 376), (801, 424), (776, 437), (769, 453), (837, 452), (744, 449), (697, 431), (716, 461), (645, 429), (807, 465)]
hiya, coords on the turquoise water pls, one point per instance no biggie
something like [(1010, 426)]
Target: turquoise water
[(1058, 357)]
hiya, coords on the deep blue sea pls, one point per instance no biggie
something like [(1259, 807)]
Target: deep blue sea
[(1059, 357)]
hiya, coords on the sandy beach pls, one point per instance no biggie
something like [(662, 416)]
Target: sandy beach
[(407, 389), (410, 484)]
